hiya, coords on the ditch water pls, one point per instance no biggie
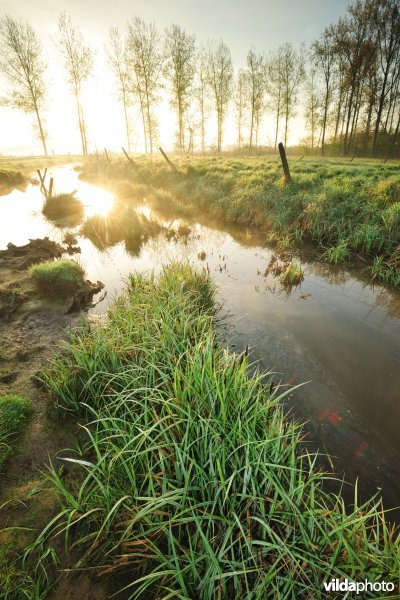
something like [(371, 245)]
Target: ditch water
[(334, 331)]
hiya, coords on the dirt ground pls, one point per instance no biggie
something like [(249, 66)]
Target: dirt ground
[(31, 332)]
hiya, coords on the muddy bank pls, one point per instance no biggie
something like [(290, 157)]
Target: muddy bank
[(31, 330), (17, 286)]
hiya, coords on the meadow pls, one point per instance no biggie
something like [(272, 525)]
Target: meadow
[(348, 210)]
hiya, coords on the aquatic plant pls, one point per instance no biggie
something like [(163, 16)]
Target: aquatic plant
[(191, 482), (292, 275)]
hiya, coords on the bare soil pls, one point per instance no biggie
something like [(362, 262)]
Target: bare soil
[(31, 331)]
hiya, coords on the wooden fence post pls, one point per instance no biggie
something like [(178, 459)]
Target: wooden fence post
[(285, 166), (167, 159), (127, 156), (51, 187)]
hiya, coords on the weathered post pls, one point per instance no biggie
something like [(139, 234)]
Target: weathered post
[(42, 184), (285, 166), (106, 153), (167, 159), (51, 187), (127, 156)]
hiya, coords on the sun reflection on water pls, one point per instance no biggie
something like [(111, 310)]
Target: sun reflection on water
[(97, 201)]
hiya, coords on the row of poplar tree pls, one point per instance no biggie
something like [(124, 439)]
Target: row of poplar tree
[(348, 81)]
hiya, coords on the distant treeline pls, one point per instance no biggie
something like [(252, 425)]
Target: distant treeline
[(347, 83)]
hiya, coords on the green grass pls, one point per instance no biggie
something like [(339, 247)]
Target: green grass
[(14, 412), (29, 164), (346, 209), (64, 209), (191, 483), (11, 178), (122, 224), (293, 275), (57, 279)]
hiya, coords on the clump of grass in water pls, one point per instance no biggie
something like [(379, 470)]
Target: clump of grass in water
[(63, 206), (192, 481), (14, 411), (57, 279), (292, 275)]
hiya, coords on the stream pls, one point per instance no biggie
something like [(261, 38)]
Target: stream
[(335, 333)]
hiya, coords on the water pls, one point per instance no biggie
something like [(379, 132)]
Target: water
[(334, 331)]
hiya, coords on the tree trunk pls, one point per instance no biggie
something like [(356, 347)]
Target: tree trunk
[(324, 119), (78, 108), (380, 110), (251, 123), (348, 120), (149, 124), (41, 132), (128, 141)]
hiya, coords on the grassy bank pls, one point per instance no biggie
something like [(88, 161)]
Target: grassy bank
[(191, 483), (345, 209)]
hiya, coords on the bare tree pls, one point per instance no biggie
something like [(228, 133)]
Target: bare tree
[(386, 21), (78, 62), (21, 63), (325, 59), (145, 58), (201, 92), (292, 72), (275, 87), (256, 76), (220, 74), (240, 102), (355, 46), (312, 100), (116, 57), (179, 69)]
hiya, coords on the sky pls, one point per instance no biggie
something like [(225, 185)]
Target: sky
[(264, 24)]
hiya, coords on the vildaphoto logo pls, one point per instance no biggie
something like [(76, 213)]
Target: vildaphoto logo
[(347, 585)]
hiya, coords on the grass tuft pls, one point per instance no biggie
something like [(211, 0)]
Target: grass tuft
[(64, 208), (14, 411), (57, 279), (292, 275), (191, 482)]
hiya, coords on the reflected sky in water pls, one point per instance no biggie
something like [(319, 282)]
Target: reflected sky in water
[(334, 331)]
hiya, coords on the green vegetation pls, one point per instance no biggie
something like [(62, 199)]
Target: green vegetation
[(344, 208), (29, 164), (123, 223), (191, 483), (293, 275), (64, 208), (11, 178), (14, 411), (15, 582), (57, 279)]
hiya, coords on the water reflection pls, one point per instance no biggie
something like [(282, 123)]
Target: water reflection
[(334, 329)]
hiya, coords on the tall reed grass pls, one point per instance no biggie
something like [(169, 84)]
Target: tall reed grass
[(191, 482)]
